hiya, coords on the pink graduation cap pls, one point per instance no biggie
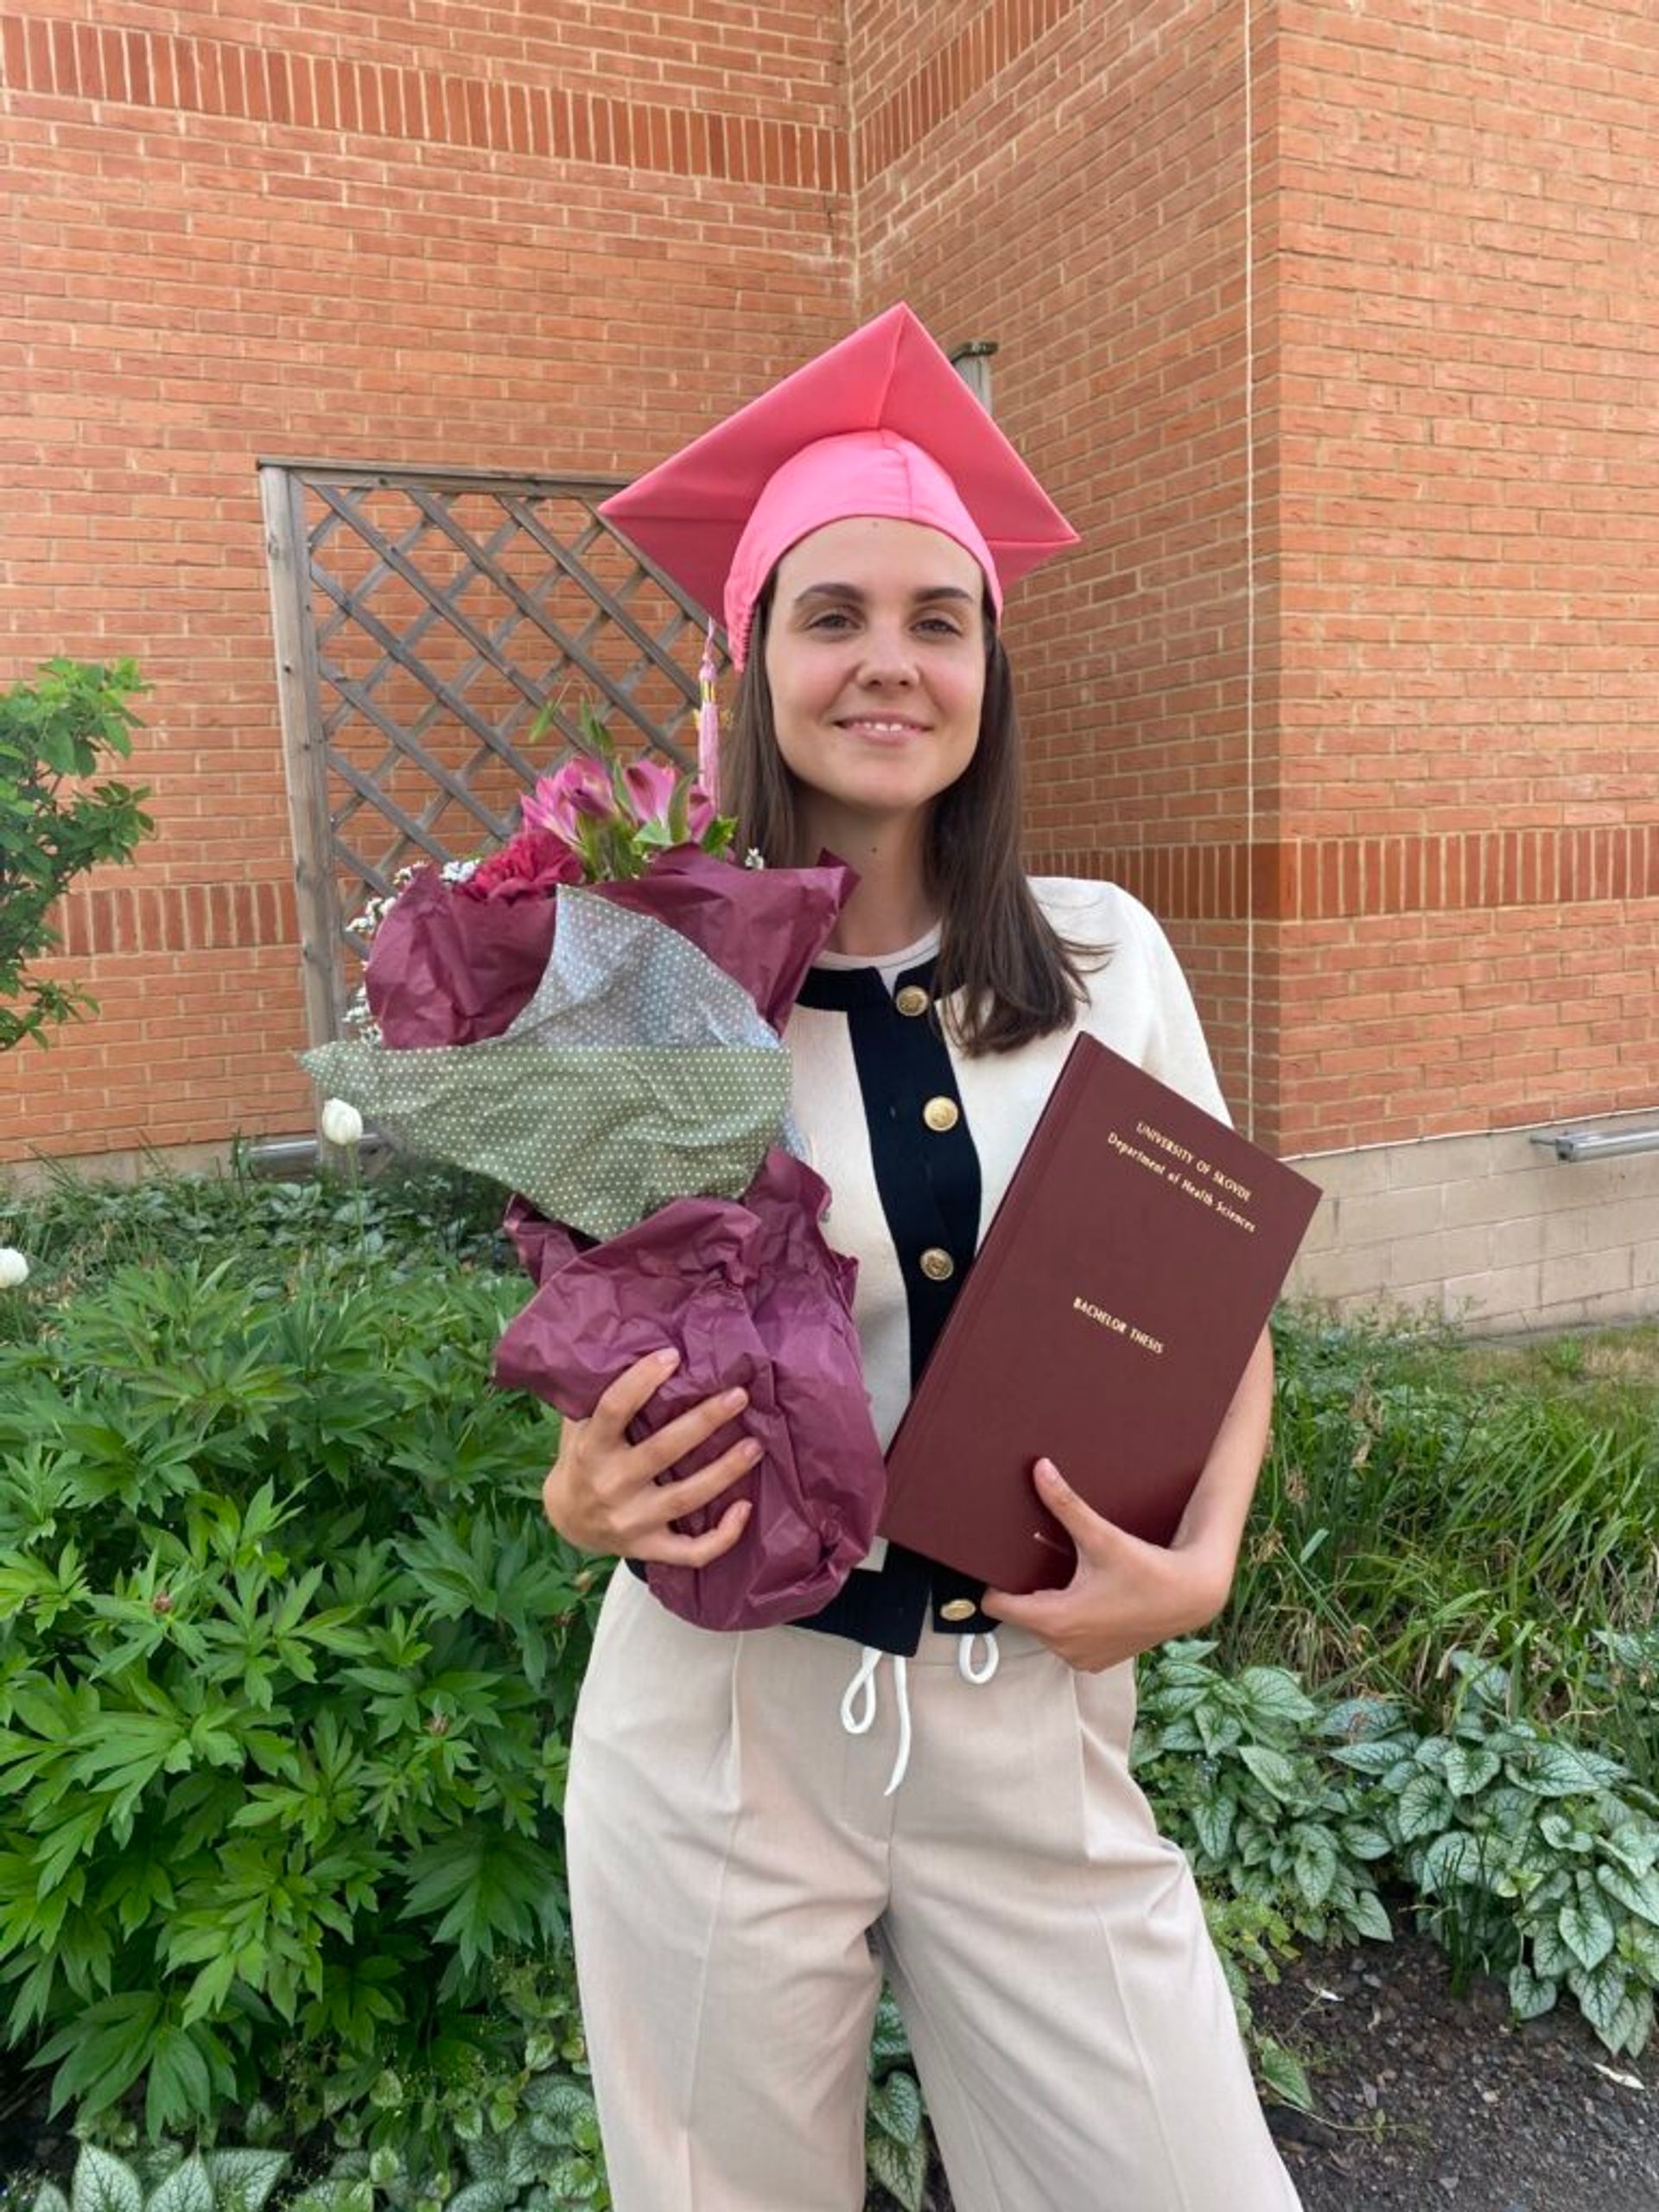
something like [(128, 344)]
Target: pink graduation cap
[(881, 424)]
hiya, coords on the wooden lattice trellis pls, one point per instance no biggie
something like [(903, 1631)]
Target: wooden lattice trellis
[(424, 620)]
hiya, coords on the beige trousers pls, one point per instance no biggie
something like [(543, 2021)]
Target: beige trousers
[(740, 1880)]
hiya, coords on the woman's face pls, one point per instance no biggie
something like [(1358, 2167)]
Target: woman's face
[(875, 658)]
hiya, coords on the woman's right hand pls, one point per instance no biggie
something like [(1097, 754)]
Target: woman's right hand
[(602, 1495)]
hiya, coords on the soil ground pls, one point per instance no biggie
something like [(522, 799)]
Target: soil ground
[(1429, 2100)]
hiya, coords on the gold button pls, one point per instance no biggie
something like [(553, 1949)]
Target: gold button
[(938, 1265), (957, 1609), (912, 999), (941, 1114)]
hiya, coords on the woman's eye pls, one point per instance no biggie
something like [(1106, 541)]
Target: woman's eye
[(833, 617)]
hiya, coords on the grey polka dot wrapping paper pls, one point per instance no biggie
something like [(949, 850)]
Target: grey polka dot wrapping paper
[(638, 1072)]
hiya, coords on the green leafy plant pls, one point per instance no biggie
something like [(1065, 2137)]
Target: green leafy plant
[(1424, 1494), (501, 2117), (401, 1220), (1233, 1766), (1254, 1943), (286, 1658), (166, 2181), (897, 2141), (1538, 1857), (54, 825)]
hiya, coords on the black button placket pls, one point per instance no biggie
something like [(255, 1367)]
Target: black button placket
[(928, 1181)]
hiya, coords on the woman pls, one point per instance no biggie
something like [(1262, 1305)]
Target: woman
[(760, 1824)]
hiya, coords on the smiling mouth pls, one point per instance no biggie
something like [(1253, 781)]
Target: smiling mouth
[(875, 726)]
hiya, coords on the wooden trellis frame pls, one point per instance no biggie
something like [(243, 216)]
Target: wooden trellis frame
[(424, 620)]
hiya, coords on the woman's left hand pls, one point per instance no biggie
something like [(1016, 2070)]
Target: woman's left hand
[(1125, 1595)]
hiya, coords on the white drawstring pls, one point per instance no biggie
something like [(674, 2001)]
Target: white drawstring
[(858, 1700), (858, 1706)]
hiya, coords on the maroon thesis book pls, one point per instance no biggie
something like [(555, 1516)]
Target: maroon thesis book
[(1105, 1324)]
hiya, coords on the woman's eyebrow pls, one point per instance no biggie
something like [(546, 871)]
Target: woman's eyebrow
[(855, 592)]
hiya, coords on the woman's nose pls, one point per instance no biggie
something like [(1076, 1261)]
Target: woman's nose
[(887, 657)]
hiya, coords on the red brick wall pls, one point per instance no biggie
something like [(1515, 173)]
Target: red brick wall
[(1356, 679), (518, 237), (1073, 179), (1470, 510), (1340, 352)]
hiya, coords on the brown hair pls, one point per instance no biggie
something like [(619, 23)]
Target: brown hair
[(1019, 978)]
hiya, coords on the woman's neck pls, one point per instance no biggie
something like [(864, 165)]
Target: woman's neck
[(889, 907)]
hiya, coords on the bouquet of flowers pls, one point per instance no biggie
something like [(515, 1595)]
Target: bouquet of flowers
[(592, 1017)]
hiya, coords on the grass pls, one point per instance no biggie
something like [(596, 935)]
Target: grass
[(1422, 1493)]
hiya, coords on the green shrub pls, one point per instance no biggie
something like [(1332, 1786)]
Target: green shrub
[(1239, 1777), (1422, 1495), (1530, 1855), (53, 734), (403, 1219), (897, 2140), (503, 2119), (288, 1656), (166, 2181), (1523, 1853)]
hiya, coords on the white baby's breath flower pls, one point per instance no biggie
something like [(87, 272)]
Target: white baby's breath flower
[(340, 1122), (14, 1267)]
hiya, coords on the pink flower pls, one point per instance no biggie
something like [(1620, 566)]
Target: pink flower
[(699, 814), (652, 786), (527, 865), (560, 801)]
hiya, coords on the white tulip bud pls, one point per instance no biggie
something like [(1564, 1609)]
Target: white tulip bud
[(341, 1122), (14, 1267)]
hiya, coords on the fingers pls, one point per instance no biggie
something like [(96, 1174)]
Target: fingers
[(1095, 1536), (661, 1502), (603, 1493), (674, 1438), (1036, 1610), (621, 1400), (667, 1548), (628, 1395)]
